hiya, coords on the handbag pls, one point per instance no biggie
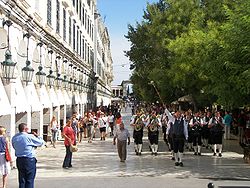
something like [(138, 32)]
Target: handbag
[(7, 154), (73, 148)]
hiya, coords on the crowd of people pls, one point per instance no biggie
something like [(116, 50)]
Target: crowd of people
[(187, 129), (180, 129)]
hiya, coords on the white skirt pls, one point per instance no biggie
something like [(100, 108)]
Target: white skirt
[(4, 165)]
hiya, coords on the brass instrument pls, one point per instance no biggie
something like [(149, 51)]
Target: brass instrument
[(153, 126), (138, 125)]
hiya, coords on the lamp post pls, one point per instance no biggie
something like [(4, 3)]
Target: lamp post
[(8, 66), (50, 77), (27, 71), (40, 75), (153, 84)]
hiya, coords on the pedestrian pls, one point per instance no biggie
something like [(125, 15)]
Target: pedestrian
[(54, 130), (4, 147), (24, 145), (102, 123), (69, 139), (122, 135), (111, 123), (228, 120), (216, 128), (179, 134), (153, 124), (196, 124), (137, 122)]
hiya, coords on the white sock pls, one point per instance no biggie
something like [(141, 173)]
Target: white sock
[(214, 148), (156, 148), (180, 157), (153, 148), (139, 148), (220, 148), (176, 157), (195, 149), (199, 149)]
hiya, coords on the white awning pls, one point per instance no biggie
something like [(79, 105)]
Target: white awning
[(32, 97), (67, 98), (76, 98), (83, 98), (4, 101), (60, 97), (19, 99), (53, 97), (44, 97)]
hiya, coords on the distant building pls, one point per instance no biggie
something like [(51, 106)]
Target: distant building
[(122, 90), (60, 53)]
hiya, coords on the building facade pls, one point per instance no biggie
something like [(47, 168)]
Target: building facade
[(60, 53)]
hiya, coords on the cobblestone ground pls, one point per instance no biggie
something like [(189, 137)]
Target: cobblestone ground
[(97, 165)]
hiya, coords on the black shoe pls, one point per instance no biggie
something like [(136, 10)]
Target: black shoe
[(195, 153), (136, 153), (220, 155), (177, 164), (199, 154), (173, 158), (214, 154), (139, 153), (152, 153), (155, 153), (181, 164)]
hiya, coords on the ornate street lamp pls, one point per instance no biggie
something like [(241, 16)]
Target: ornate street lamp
[(65, 82), (8, 66), (27, 71), (40, 75), (75, 85), (58, 81), (50, 77)]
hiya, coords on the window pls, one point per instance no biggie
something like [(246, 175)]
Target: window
[(77, 40), (49, 9), (85, 51), (88, 56), (80, 10), (70, 29), (77, 6), (83, 48), (92, 58), (74, 2), (83, 15), (74, 35), (80, 50), (64, 25), (57, 16), (88, 25), (85, 24)]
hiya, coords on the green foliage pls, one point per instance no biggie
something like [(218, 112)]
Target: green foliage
[(193, 47)]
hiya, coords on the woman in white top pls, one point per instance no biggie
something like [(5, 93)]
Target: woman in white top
[(102, 125), (54, 129), (4, 165)]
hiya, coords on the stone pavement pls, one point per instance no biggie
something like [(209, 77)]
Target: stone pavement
[(97, 165)]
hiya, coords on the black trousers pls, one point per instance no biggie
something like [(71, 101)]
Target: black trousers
[(153, 137), (138, 137), (178, 143), (197, 139)]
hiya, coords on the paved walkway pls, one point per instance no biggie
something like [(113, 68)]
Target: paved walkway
[(97, 165)]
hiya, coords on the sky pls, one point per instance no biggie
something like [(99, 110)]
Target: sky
[(117, 14)]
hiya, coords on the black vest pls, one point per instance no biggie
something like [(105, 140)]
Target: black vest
[(178, 127)]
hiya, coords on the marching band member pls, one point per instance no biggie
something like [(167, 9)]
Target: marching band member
[(137, 121), (216, 129), (205, 131), (153, 132), (180, 133), (196, 128)]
